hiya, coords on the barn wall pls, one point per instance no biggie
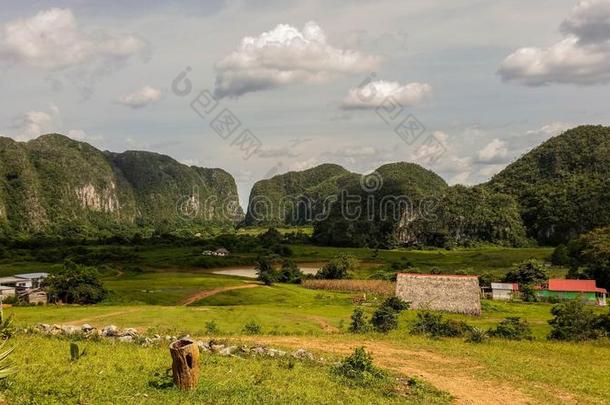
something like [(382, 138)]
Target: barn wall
[(440, 293)]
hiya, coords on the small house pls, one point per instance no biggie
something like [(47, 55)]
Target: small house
[(30, 280), (504, 291), (451, 293), (585, 290)]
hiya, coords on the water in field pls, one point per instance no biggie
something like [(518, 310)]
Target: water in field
[(250, 272)]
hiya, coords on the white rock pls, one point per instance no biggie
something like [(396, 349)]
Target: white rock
[(110, 330), (126, 339), (86, 327)]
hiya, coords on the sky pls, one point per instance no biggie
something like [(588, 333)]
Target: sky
[(263, 87)]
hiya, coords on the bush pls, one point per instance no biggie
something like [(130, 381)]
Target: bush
[(338, 267), (528, 293), (252, 328), (211, 327), (385, 318), (290, 273), (75, 284), (359, 322), (512, 328), (476, 335), (560, 256), (528, 272), (265, 271), (574, 321), (433, 325), (7, 329), (359, 368)]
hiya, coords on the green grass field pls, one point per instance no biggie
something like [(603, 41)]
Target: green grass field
[(152, 300)]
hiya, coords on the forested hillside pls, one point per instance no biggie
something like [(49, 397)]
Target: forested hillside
[(56, 186), (563, 185)]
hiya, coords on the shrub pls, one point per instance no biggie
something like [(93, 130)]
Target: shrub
[(574, 321), (385, 318), (6, 367), (359, 368), (290, 273), (476, 335), (265, 271), (528, 293), (75, 284), (252, 328), (211, 327), (338, 267), (512, 328), (433, 325), (560, 256), (359, 322), (6, 326)]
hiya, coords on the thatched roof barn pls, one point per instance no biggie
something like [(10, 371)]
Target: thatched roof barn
[(452, 293)]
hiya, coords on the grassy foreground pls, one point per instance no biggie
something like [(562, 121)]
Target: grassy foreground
[(125, 373)]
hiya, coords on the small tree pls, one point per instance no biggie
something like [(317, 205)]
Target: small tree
[(560, 256), (385, 318), (338, 267), (359, 322), (265, 271), (290, 273), (528, 272), (574, 321), (75, 284)]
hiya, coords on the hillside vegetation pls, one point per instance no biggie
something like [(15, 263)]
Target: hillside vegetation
[(57, 186), (562, 186)]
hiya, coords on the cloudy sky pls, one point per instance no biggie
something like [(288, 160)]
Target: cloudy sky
[(263, 87)]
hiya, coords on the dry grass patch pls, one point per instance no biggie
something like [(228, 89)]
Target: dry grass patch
[(379, 287)]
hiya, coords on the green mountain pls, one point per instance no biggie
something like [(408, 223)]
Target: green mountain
[(563, 185), (295, 198), (377, 210), (54, 185)]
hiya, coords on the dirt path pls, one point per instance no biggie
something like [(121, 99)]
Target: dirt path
[(453, 375), (208, 293), (102, 316)]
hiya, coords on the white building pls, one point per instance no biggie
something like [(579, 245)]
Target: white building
[(504, 291)]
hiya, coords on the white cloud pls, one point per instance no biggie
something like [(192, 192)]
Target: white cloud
[(582, 57), (437, 153), (491, 170), (285, 56), (552, 129), (276, 153), (304, 164), (35, 123), (82, 135), (53, 40), (140, 98), (372, 94), (494, 152)]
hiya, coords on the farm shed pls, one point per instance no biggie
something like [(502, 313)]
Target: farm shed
[(6, 291), (34, 297), (451, 293), (585, 290), (504, 291)]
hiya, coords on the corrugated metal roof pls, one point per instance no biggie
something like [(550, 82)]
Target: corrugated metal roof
[(557, 284), (505, 286), (32, 275), (4, 280)]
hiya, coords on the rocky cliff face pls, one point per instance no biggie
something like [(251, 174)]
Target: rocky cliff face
[(57, 186)]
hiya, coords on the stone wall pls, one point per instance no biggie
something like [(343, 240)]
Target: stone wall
[(459, 294)]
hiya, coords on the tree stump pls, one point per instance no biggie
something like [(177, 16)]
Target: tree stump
[(185, 363)]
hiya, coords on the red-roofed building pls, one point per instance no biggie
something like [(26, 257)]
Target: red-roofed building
[(587, 290)]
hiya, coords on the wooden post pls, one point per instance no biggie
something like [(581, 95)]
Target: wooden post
[(185, 363)]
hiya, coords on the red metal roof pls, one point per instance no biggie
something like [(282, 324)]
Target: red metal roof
[(440, 275), (558, 284)]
